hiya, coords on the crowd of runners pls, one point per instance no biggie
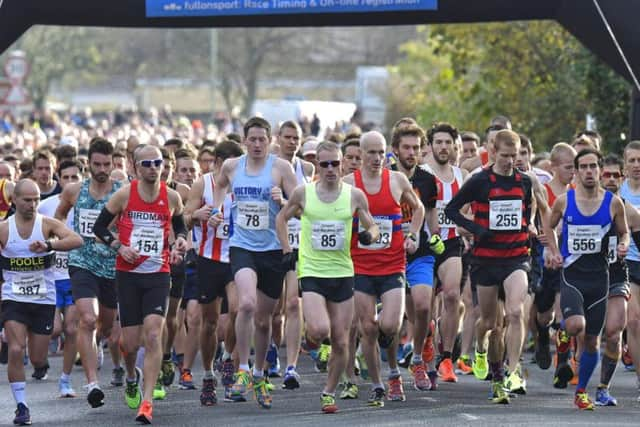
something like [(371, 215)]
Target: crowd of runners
[(436, 252)]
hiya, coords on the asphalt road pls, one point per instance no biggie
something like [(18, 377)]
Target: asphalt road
[(461, 404)]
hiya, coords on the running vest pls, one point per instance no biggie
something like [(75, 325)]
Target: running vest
[(634, 199), (505, 213), (293, 225), (386, 255), (254, 211), (325, 235), (146, 227), (28, 277), (585, 241), (48, 208), (213, 242), (5, 203), (92, 256), (446, 191)]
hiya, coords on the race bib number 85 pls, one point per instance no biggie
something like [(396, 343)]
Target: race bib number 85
[(327, 235)]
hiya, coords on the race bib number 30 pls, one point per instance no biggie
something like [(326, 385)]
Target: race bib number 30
[(253, 215), (30, 285), (147, 241), (385, 226), (327, 235), (505, 215), (293, 233), (87, 218), (443, 220), (584, 239)]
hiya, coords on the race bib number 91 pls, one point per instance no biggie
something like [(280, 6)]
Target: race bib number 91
[(327, 235), (505, 215), (222, 231), (584, 239)]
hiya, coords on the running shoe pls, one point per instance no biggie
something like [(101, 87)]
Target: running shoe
[(376, 397), (515, 383), (226, 376), (159, 392), (396, 391), (145, 413), (262, 393), (168, 372), (66, 389), (582, 401), (446, 371), (433, 379), (420, 380), (463, 367), (186, 380), (208, 395), (117, 377), (132, 392), (603, 398), (480, 366), (324, 352), (543, 352), (428, 351), (241, 385), (95, 397), (328, 404), (291, 379), (23, 417), (40, 373), (178, 362), (349, 391), (627, 360), (575, 366), (274, 361), (562, 376), (500, 395), (407, 356)]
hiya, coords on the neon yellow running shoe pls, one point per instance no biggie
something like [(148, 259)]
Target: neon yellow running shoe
[(480, 366)]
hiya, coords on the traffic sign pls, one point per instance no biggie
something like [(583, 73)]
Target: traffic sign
[(16, 68)]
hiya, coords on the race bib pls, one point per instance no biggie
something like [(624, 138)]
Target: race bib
[(253, 215), (505, 215), (147, 241), (293, 233), (443, 220), (30, 285), (62, 262), (584, 239), (327, 235), (612, 253), (385, 226), (87, 218), (222, 231)]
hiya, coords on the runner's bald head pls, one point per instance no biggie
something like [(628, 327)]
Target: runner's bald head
[(146, 151), (371, 137), (25, 186)]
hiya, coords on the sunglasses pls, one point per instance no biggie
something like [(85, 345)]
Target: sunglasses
[(615, 175), (148, 163), (333, 163)]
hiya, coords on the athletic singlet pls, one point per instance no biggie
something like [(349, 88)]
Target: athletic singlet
[(5, 203), (446, 191), (293, 225), (213, 242), (634, 199), (28, 277), (325, 235), (92, 256), (386, 255), (584, 238), (48, 208), (253, 210), (145, 227)]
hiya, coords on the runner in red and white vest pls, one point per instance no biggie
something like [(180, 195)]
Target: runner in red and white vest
[(146, 210)]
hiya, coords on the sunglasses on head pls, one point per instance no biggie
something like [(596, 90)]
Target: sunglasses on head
[(615, 175), (333, 163), (148, 163)]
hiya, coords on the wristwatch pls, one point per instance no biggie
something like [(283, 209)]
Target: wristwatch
[(411, 236)]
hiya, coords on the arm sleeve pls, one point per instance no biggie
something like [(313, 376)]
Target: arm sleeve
[(468, 193), (179, 226), (101, 227)]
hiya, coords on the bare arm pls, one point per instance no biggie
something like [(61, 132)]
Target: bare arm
[(193, 209), (295, 203), (67, 239), (620, 219), (288, 177), (361, 208), (68, 198)]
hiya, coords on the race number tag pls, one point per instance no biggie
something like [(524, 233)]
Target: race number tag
[(222, 231), (87, 218), (385, 226), (584, 239), (30, 285), (505, 215), (293, 233), (327, 235), (62, 262), (253, 215), (612, 253), (147, 241), (443, 220)]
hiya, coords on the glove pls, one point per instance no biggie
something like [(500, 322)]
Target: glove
[(365, 238), (485, 234), (436, 244), (289, 261)]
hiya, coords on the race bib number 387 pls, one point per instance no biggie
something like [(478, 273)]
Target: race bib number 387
[(505, 215), (29, 285)]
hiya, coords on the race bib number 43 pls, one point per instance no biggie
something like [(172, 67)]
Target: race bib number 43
[(327, 235), (253, 215), (584, 239), (87, 218), (30, 285), (505, 215), (147, 241)]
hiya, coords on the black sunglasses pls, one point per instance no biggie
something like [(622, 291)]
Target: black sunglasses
[(147, 163), (333, 163)]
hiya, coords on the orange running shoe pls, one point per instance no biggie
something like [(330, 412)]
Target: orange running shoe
[(463, 367), (582, 401), (145, 413), (446, 371), (428, 351)]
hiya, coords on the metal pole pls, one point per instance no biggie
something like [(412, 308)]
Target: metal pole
[(213, 65)]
